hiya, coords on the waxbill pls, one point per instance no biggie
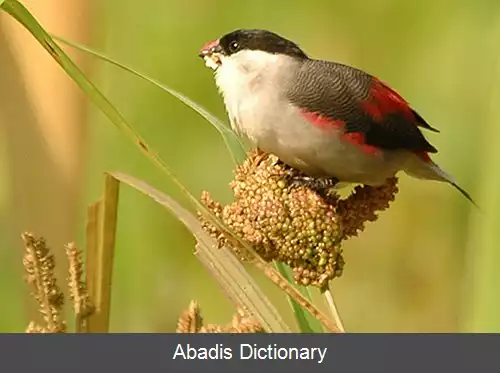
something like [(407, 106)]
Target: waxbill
[(328, 120)]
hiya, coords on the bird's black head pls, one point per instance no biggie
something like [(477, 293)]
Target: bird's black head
[(259, 40)]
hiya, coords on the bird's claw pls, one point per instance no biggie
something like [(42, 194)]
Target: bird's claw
[(319, 185), (313, 183)]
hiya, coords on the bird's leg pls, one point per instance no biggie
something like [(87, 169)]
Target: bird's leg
[(279, 162), (320, 185)]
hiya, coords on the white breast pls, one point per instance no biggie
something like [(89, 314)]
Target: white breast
[(251, 83)]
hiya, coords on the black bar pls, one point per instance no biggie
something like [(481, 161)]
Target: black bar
[(152, 353)]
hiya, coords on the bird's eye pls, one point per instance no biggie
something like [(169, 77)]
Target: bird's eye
[(234, 46)]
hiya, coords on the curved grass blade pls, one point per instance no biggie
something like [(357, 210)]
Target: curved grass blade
[(238, 284), (24, 17), (232, 141), (305, 321)]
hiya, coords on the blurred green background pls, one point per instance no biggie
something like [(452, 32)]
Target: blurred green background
[(429, 264)]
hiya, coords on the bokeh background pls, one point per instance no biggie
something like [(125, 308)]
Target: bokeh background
[(429, 264)]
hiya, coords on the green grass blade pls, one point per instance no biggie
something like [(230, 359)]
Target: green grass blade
[(100, 247), (233, 277), (21, 14), (232, 141), (306, 322), (105, 252), (91, 265)]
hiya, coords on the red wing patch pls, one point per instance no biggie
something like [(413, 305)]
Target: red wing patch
[(320, 120), (356, 138), (384, 100)]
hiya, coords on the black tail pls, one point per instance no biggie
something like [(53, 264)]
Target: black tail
[(465, 194)]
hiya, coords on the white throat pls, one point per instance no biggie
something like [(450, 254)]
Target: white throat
[(246, 70), (250, 81)]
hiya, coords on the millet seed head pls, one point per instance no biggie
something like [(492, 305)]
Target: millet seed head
[(290, 224)]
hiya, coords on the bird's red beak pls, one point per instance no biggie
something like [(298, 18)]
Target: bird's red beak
[(212, 54), (210, 48)]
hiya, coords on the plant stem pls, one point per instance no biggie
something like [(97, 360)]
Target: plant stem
[(333, 308)]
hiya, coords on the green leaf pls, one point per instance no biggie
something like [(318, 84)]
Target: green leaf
[(105, 251), (235, 280), (102, 218), (22, 15), (232, 141), (19, 12), (306, 322), (92, 278)]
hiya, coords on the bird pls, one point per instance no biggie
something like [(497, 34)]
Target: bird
[(334, 123)]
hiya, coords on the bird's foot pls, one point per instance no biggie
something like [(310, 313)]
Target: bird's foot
[(314, 183), (318, 184)]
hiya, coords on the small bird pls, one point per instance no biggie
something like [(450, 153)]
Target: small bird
[(333, 122)]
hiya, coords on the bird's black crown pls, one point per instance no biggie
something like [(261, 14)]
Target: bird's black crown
[(262, 40)]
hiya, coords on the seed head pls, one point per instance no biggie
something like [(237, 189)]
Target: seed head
[(294, 224)]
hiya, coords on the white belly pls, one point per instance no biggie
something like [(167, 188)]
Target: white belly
[(278, 128), (258, 111)]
